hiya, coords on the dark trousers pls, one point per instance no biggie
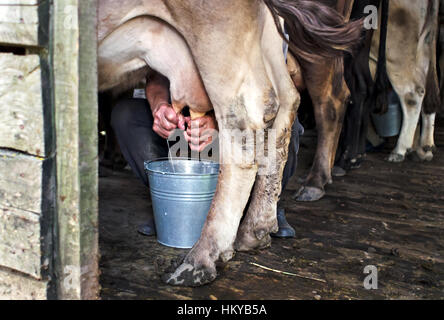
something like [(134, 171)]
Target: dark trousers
[(132, 122)]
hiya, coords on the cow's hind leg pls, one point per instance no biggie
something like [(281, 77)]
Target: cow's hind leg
[(260, 220), (219, 232), (411, 97), (427, 141), (431, 105), (329, 93), (236, 179)]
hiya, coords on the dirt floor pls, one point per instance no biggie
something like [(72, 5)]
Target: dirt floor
[(387, 215)]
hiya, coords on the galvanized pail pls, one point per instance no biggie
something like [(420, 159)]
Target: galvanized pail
[(182, 191), (389, 124)]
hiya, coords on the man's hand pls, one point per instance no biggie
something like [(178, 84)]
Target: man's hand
[(166, 120), (200, 132)]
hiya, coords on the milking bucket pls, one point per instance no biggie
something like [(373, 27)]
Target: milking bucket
[(182, 191), (389, 124)]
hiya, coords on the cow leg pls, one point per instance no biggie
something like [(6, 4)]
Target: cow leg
[(329, 92), (238, 121), (235, 184), (261, 220), (219, 232), (432, 104), (411, 102), (427, 141)]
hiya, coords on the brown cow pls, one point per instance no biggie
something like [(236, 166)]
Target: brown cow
[(324, 80), (235, 48)]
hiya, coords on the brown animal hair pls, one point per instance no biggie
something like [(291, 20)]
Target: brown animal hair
[(378, 100), (432, 99), (316, 31)]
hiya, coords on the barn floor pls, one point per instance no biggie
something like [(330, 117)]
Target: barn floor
[(387, 215)]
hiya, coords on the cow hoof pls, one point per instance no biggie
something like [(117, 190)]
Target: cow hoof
[(187, 275), (227, 256), (422, 155), (248, 243), (428, 156), (396, 158), (162, 266), (431, 149), (427, 153), (309, 194), (338, 172)]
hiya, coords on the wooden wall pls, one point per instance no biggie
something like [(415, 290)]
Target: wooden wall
[(27, 162), (48, 157)]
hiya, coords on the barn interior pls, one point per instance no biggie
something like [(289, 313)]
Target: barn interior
[(383, 214)]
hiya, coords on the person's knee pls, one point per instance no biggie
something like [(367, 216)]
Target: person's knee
[(121, 114), (125, 112)]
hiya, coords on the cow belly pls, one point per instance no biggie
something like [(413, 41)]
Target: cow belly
[(131, 51)]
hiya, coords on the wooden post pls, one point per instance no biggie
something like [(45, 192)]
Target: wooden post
[(75, 91)]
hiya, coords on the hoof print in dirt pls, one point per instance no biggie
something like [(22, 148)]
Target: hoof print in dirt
[(189, 276), (309, 194)]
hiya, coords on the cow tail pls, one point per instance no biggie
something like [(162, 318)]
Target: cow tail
[(379, 95), (432, 99), (316, 31)]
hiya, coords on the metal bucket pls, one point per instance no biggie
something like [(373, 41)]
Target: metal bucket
[(389, 124), (182, 191)]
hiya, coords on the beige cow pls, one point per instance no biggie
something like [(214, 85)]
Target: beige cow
[(231, 50), (412, 70)]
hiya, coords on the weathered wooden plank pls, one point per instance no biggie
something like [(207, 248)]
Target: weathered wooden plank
[(14, 286), (27, 164), (21, 181), (19, 2), (21, 112), (89, 140), (19, 22), (66, 64), (20, 243), (76, 131)]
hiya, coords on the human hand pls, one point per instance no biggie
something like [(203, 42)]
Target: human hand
[(166, 120), (200, 132)]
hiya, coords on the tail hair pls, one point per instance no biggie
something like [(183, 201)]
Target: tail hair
[(432, 99), (379, 96), (316, 31)]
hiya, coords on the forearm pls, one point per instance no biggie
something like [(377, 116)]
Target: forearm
[(157, 91)]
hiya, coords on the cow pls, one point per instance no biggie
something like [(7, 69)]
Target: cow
[(441, 50), (227, 56), (365, 91), (350, 73), (409, 65), (412, 70), (328, 90)]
